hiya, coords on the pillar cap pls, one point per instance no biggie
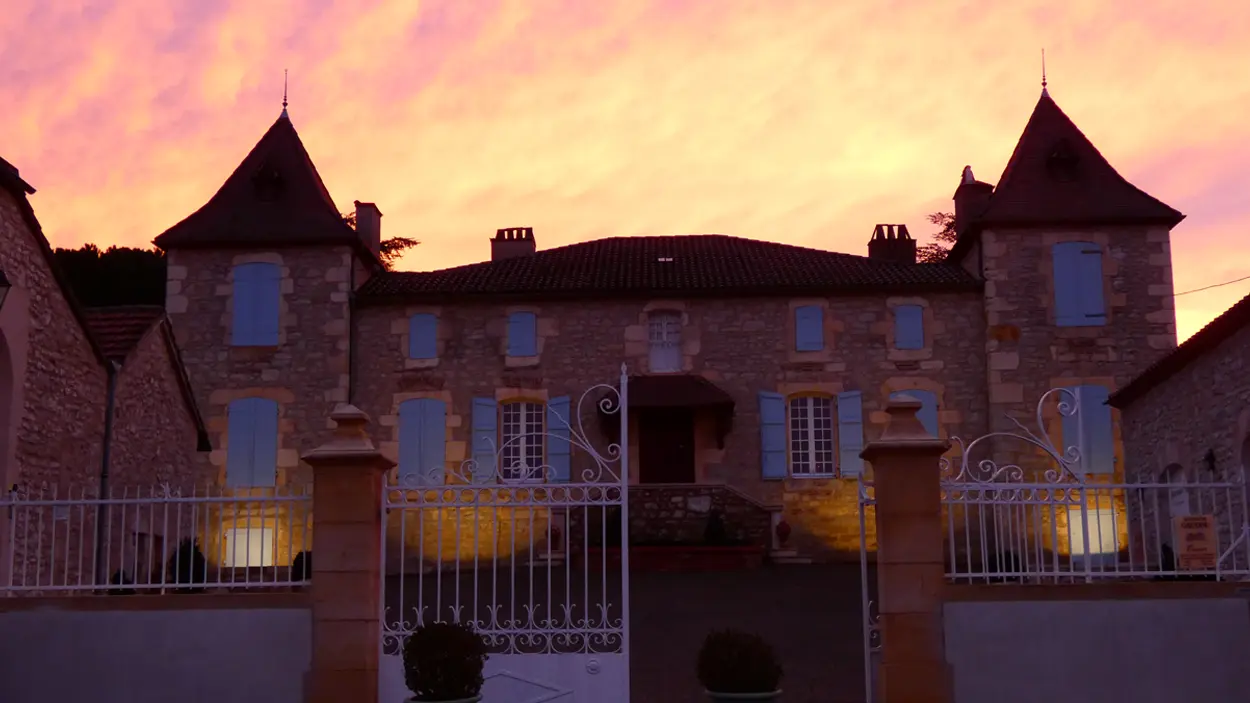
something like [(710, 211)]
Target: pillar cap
[(904, 433), (350, 444)]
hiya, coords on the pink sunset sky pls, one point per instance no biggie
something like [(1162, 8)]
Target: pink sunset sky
[(798, 121)]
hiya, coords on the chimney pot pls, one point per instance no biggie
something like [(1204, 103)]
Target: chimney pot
[(511, 242), (369, 225), (892, 243)]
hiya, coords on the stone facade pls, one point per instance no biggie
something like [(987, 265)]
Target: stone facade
[(1194, 427)]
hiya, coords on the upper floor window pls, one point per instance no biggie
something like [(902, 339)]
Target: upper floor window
[(1078, 282), (522, 334), (423, 336), (908, 327), (664, 330), (252, 443), (521, 441), (257, 298), (811, 436), (1089, 429), (809, 328)]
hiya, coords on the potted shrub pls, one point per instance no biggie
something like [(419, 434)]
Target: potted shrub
[(443, 663), (187, 565), (738, 666)]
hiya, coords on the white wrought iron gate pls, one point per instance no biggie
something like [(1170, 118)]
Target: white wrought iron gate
[(533, 553)]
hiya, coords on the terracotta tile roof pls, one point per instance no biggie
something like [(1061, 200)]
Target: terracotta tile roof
[(1056, 176), (274, 197), (1204, 340), (118, 329), (690, 264)]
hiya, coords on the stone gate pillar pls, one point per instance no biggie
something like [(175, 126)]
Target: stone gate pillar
[(348, 475), (910, 560)]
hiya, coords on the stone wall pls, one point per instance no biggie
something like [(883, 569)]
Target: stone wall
[(57, 427), (743, 345), (154, 432), (1169, 430), (1027, 354), (680, 512)]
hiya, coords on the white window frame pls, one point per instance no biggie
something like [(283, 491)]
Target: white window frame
[(1104, 536), (522, 441), (811, 436), (664, 337)]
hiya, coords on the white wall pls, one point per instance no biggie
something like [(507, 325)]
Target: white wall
[(247, 655), (1144, 651)]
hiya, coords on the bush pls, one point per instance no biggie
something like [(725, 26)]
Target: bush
[(187, 565), (443, 662), (731, 661), (121, 578), (301, 566)]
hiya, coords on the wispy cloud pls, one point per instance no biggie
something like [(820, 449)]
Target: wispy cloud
[(800, 121)]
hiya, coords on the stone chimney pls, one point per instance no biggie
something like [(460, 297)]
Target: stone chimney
[(512, 242), (369, 225), (971, 198), (892, 243)]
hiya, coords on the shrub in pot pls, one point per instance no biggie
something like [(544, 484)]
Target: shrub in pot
[(738, 666), (187, 565), (443, 663), (301, 566)]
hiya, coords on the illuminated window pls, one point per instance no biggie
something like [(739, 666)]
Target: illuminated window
[(521, 441), (1099, 525), (811, 436), (248, 547)]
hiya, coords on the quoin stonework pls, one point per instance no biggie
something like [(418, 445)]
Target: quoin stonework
[(760, 370)]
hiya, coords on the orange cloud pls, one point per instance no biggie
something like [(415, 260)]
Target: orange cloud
[(800, 121)]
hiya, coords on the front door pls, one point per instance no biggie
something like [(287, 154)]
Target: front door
[(666, 446)]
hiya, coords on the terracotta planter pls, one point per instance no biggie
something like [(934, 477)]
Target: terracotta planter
[(679, 558), (728, 697)]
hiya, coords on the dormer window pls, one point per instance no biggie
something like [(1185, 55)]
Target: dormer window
[(268, 183), (1062, 161)]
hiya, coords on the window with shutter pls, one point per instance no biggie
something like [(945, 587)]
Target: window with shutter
[(809, 328), (1090, 430), (522, 334), (664, 331), (772, 435), (908, 327), (811, 436), (256, 302), (252, 443), (422, 440), (850, 433), (1078, 282), (423, 336)]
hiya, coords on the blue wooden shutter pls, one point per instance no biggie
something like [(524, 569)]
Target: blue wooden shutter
[(240, 439), (265, 447), (423, 336), (850, 433), (809, 328), (485, 437), (928, 413), (1075, 294), (909, 327), (1090, 430), (1071, 428), (772, 435), (559, 450), (522, 334), (422, 439), (1089, 272), (257, 298)]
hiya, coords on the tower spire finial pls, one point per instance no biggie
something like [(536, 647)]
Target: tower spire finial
[(284, 84), (1044, 91)]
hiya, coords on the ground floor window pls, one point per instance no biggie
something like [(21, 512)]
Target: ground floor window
[(811, 436), (521, 441), (248, 547)]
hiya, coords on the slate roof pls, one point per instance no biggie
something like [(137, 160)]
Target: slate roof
[(118, 329), (274, 197), (1056, 176), (1204, 340), (709, 264)]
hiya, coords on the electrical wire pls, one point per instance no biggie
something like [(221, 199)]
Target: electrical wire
[(1214, 285)]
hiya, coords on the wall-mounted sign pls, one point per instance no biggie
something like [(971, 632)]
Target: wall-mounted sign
[(1196, 546)]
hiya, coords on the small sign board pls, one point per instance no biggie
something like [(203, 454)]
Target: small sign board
[(1197, 548)]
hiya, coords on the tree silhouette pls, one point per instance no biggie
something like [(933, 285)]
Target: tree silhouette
[(935, 251), (115, 276), (390, 249)]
